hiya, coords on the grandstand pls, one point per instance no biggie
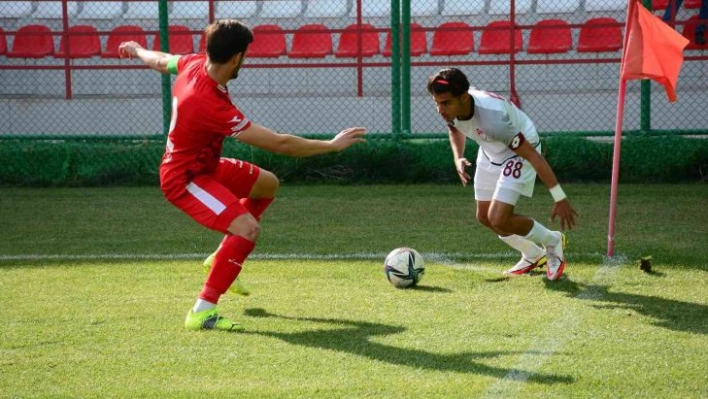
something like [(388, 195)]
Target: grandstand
[(320, 65)]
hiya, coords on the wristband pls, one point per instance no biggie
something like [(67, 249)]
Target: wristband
[(557, 193)]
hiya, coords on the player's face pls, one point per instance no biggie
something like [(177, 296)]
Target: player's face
[(237, 67), (450, 106)]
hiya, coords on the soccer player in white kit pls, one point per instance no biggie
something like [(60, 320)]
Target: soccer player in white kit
[(508, 160)]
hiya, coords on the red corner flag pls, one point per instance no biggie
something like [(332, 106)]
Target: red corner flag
[(654, 50)]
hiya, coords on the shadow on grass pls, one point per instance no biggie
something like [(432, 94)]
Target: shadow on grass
[(355, 337), (667, 313)]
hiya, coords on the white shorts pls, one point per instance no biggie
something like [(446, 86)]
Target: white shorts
[(505, 182)]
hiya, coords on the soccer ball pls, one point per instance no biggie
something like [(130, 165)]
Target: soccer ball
[(404, 267)]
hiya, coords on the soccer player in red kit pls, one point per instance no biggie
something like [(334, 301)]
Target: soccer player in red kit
[(222, 194)]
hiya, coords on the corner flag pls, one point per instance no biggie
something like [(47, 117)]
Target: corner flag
[(654, 50)]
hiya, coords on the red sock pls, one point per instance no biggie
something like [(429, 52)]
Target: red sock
[(227, 265), (256, 206)]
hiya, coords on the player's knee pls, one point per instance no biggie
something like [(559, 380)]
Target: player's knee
[(267, 185), (483, 219), (499, 221), (246, 226)]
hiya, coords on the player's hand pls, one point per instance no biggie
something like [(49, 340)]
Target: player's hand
[(461, 164), (128, 49), (565, 213), (347, 137)]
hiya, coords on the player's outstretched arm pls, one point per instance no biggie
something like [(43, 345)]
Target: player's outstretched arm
[(561, 207), (156, 60), (296, 146)]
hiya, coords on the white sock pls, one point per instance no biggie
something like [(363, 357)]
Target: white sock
[(528, 248), (541, 235), (202, 305)]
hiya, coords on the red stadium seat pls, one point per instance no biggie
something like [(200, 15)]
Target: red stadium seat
[(349, 41), (311, 41), (452, 38), (32, 41), (3, 43), (659, 4), (692, 3), (83, 42), (202, 43), (600, 35), (419, 43), (180, 40), (121, 34), (550, 36), (268, 42), (496, 38), (689, 32)]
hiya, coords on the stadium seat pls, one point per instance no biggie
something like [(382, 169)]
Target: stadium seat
[(311, 41), (101, 10), (550, 36), (692, 4), (235, 9), (3, 42), (181, 41), (202, 43), (689, 32), (32, 41), (496, 38), (452, 38), (268, 42), (142, 10), (189, 10), (15, 9), (349, 41), (504, 7), (462, 7), (53, 10), (605, 5), (659, 4), (373, 8), (424, 8), (326, 8), (281, 9), (83, 42), (555, 6), (600, 35), (121, 34), (419, 43)]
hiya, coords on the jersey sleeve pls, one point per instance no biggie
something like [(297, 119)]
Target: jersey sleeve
[(227, 120), (172, 64)]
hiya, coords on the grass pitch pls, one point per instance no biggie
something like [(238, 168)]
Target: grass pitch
[(95, 284)]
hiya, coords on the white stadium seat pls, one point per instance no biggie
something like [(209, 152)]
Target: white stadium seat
[(142, 10), (51, 10), (373, 8), (190, 10), (504, 6), (281, 9), (236, 9), (326, 8), (462, 7), (556, 6), (15, 9), (424, 8), (101, 10), (605, 5)]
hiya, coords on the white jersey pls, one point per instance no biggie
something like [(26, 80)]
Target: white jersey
[(495, 126)]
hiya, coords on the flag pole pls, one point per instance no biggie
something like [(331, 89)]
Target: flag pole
[(618, 136)]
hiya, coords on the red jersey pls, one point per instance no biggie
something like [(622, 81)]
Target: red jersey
[(202, 116)]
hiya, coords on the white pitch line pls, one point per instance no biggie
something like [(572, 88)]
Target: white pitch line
[(555, 337), (435, 257)]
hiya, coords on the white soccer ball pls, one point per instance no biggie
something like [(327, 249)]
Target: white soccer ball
[(404, 267)]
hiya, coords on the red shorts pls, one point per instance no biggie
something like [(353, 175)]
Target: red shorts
[(212, 199)]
